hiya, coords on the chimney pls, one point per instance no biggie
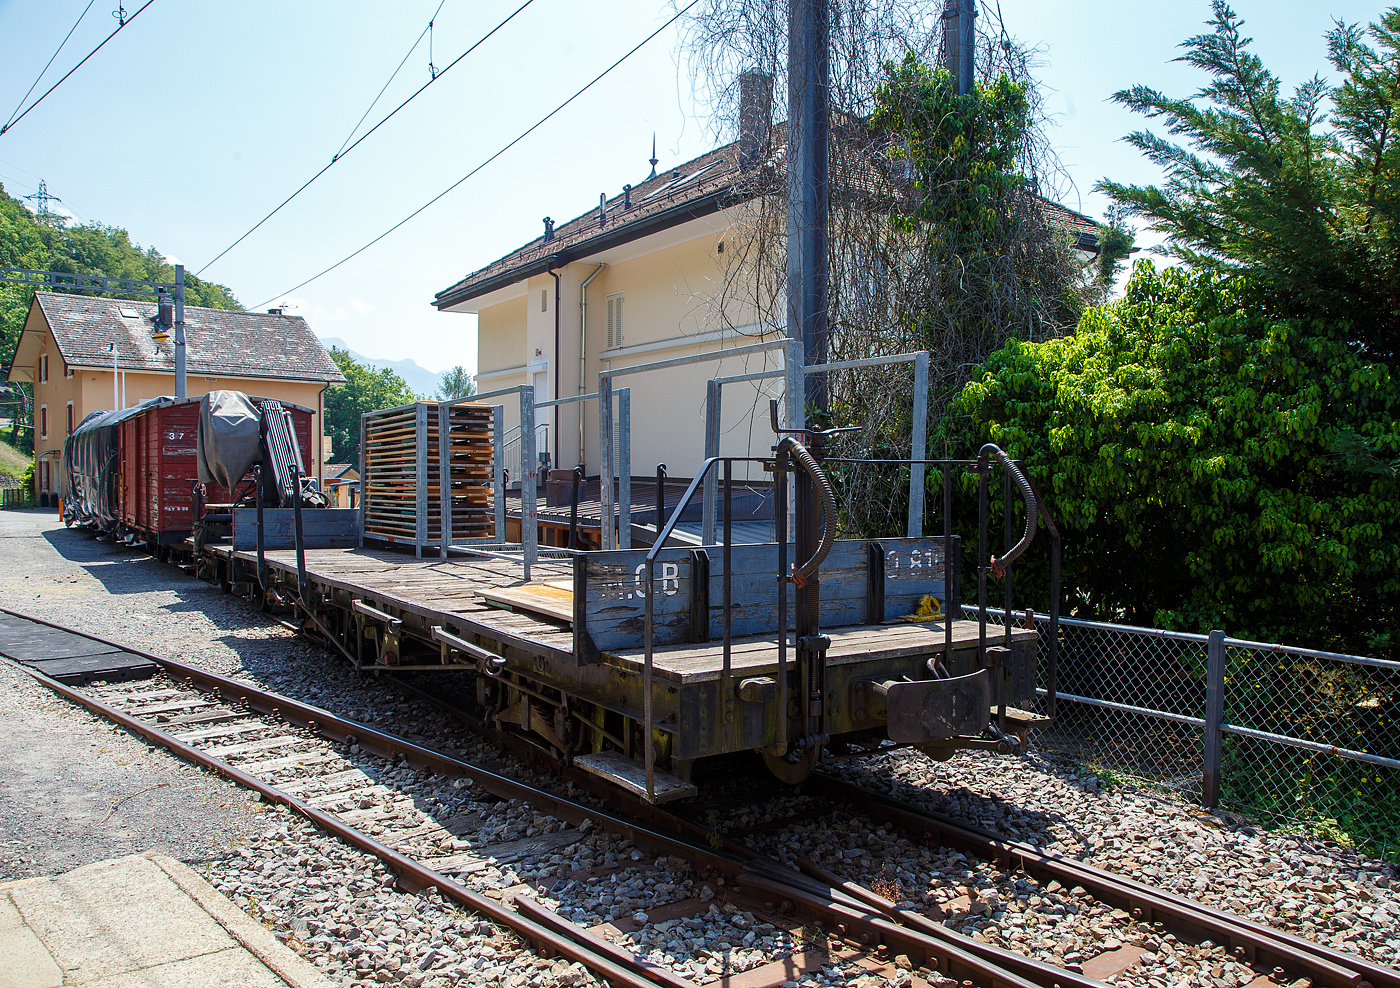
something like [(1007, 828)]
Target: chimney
[(548, 229), (755, 116), (165, 310)]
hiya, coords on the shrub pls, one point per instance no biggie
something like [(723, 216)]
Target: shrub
[(1210, 465)]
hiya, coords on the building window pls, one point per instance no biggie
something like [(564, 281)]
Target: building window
[(70, 419), (544, 299), (614, 320), (43, 421), (44, 476), (43, 367)]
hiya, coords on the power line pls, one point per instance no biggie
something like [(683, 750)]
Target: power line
[(392, 77), (50, 61), (524, 134), (341, 154), (75, 68)]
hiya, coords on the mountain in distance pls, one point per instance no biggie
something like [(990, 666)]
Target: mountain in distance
[(418, 377)]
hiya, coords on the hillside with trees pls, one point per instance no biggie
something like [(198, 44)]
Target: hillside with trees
[(48, 242)]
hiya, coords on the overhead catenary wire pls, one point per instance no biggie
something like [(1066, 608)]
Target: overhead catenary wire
[(523, 134), (346, 150), (394, 75), (33, 85), (75, 68)]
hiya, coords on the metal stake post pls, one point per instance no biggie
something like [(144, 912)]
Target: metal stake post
[(707, 510), (1214, 716), (529, 479), (624, 468), (420, 486), (605, 464), (661, 495), (919, 444), (364, 473), (300, 541), (498, 471), (444, 477), (180, 390)]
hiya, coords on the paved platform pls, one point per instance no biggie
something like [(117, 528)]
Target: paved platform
[(143, 921)]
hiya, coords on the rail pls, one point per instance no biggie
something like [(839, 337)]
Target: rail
[(954, 955)]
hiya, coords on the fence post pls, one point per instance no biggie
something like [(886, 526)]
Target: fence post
[(1214, 715), (707, 512)]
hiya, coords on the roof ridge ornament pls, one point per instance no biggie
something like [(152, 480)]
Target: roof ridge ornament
[(654, 160)]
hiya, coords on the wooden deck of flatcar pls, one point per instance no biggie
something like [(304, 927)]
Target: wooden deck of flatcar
[(441, 591), (448, 592), (758, 654)]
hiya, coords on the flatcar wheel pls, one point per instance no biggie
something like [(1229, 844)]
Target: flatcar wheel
[(791, 773)]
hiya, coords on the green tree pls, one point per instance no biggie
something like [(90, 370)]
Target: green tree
[(365, 390), (1212, 466), (950, 250), (1116, 238), (51, 244), (1266, 183), (456, 383)]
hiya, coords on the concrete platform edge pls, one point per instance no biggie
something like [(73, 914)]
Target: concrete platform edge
[(275, 955)]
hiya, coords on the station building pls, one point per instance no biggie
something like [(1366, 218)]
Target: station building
[(85, 354)]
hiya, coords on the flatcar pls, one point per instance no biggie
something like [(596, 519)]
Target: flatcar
[(637, 664)]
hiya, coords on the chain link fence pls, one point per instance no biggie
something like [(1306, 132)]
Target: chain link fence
[(1298, 739), (1310, 738)]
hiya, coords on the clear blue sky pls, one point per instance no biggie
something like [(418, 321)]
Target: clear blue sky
[(198, 118)]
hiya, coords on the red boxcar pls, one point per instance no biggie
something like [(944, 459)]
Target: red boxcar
[(155, 493)]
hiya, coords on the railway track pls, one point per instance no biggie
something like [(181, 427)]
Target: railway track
[(325, 768)]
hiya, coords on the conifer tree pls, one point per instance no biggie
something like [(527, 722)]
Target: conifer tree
[(1304, 199)]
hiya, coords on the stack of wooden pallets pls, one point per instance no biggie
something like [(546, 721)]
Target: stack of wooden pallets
[(405, 449)]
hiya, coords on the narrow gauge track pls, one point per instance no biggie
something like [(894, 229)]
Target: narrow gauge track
[(861, 922), (1276, 954), (303, 757), (1258, 944)]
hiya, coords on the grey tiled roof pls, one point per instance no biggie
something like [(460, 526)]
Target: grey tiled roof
[(654, 202), (218, 342), (708, 183)]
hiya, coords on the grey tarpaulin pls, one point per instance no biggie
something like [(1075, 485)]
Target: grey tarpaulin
[(229, 441), (90, 467)]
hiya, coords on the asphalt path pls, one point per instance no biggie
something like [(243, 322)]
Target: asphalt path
[(73, 789)]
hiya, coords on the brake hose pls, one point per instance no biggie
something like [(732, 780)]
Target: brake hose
[(809, 463), (1027, 496)]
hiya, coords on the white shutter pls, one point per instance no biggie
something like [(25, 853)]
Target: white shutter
[(614, 320)]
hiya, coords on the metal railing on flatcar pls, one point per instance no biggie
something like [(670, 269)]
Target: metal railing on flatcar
[(986, 563)]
